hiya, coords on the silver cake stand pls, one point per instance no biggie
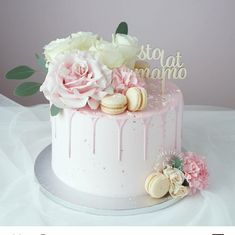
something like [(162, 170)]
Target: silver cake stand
[(62, 194)]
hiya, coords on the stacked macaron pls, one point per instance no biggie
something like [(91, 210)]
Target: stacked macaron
[(134, 100)]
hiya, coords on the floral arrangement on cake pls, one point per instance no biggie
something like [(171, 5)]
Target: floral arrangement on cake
[(82, 69), (180, 174)]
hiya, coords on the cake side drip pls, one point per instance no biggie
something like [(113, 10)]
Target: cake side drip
[(129, 142)]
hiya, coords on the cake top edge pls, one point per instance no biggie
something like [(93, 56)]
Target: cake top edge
[(156, 103)]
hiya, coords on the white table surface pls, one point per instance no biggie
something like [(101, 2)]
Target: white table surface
[(25, 131)]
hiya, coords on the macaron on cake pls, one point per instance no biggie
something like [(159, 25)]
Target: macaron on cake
[(114, 104), (137, 98), (157, 185)]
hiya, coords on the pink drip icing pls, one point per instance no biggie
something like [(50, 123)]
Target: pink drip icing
[(120, 123), (94, 121), (146, 121), (70, 132)]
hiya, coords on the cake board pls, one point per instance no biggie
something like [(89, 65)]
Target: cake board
[(59, 192)]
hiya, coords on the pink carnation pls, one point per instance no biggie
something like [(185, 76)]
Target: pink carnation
[(124, 78), (196, 172)]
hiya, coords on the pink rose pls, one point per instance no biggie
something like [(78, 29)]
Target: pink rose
[(76, 80), (196, 172), (124, 78)]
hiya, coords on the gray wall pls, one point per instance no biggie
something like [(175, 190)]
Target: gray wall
[(203, 30)]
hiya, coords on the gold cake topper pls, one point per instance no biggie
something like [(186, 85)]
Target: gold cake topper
[(169, 67)]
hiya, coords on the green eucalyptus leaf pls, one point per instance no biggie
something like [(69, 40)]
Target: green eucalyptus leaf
[(55, 110), (177, 163), (27, 88), (122, 28), (20, 72), (41, 61)]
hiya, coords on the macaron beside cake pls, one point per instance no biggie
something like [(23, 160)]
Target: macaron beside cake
[(157, 185)]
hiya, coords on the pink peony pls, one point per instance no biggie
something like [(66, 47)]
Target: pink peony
[(124, 78), (76, 80), (196, 172)]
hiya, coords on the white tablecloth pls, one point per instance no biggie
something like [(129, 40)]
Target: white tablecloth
[(24, 132)]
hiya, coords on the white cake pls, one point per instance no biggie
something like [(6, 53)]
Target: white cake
[(116, 120), (111, 155), (111, 122)]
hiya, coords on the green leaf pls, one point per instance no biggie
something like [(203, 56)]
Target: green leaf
[(177, 163), (55, 110), (27, 88), (20, 72), (41, 61), (122, 28)]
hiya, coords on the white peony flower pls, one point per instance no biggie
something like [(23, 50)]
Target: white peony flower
[(178, 191), (54, 48), (128, 46), (108, 54), (175, 175), (81, 41), (123, 50)]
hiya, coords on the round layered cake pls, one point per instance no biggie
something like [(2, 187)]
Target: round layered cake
[(112, 155), (116, 124)]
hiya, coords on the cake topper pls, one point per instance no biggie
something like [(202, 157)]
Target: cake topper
[(171, 67)]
